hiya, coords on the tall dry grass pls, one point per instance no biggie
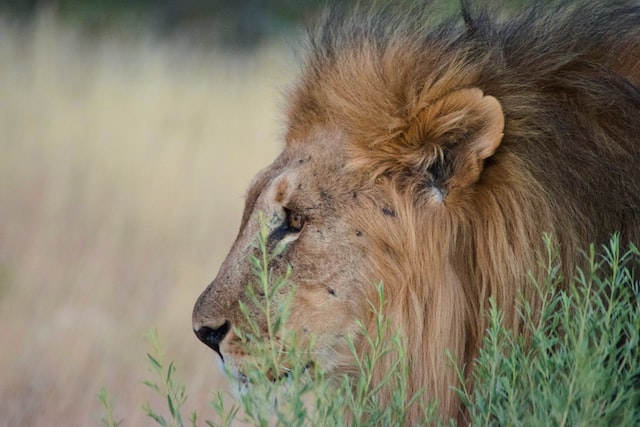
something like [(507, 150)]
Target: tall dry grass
[(123, 165)]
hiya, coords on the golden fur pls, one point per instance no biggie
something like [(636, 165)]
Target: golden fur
[(433, 160)]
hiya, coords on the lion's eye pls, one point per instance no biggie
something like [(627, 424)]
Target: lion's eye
[(294, 221), (290, 227)]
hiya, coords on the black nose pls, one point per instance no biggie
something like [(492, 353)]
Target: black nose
[(213, 336)]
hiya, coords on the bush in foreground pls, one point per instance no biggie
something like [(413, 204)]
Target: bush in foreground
[(577, 364)]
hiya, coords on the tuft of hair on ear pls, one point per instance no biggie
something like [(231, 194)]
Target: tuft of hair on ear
[(468, 16), (446, 141), (480, 25)]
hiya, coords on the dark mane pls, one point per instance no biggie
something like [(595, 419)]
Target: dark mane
[(567, 76)]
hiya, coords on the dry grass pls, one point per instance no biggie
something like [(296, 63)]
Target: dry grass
[(122, 171)]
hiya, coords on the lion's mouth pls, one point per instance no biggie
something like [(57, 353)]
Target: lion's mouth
[(280, 377), (287, 374)]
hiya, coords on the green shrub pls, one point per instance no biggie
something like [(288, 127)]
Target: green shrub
[(581, 364), (108, 419), (166, 385), (577, 364)]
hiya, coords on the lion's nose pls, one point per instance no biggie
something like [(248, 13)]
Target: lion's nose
[(213, 336)]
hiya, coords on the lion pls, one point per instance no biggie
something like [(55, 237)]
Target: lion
[(432, 157)]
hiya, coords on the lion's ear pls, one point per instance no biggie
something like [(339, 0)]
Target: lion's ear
[(453, 136)]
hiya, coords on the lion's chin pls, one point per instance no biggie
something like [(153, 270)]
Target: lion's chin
[(241, 382)]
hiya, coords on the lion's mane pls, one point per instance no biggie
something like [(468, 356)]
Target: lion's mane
[(408, 99)]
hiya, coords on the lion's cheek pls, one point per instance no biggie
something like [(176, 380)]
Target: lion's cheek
[(325, 322), (318, 312), (333, 356)]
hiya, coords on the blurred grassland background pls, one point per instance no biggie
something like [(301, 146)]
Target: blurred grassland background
[(123, 165), (126, 146)]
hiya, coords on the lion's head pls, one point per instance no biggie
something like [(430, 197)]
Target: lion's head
[(433, 162)]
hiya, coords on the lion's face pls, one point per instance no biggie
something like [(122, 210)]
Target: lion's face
[(350, 214), (315, 208)]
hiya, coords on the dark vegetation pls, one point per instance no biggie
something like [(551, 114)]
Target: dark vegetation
[(241, 24)]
